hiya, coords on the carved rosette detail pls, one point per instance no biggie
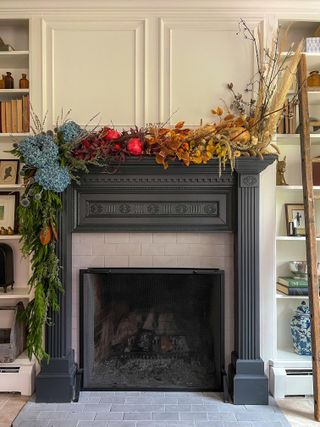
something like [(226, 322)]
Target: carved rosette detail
[(153, 208), (249, 180)]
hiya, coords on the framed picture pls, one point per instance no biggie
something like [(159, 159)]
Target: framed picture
[(8, 204), (9, 170), (295, 215)]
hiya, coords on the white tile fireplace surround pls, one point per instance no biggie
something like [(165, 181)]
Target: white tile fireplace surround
[(162, 250)]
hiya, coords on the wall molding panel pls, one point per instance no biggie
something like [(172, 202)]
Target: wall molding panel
[(91, 93), (179, 90)]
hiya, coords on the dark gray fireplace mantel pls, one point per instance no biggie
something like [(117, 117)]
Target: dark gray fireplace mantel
[(142, 196)]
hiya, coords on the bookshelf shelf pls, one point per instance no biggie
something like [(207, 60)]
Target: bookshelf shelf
[(281, 296), (4, 187), (12, 91), (17, 294), (287, 358), (15, 134), (313, 94), (10, 237), (294, 139), (313, 60), (294, 188), (293, 238)]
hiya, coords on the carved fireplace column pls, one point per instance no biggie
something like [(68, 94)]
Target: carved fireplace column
[(57, 379), (250, 384)]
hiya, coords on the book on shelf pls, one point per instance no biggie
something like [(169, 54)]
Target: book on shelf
[(292, 282), (8, 116), (288, 121), (25, 114), (292, 291), (15, 115), (3, 117), (19, 115)]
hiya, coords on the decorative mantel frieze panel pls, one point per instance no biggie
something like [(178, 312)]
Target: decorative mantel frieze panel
[(142, 196)]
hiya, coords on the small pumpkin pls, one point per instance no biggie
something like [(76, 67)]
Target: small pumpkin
[(45, 235)]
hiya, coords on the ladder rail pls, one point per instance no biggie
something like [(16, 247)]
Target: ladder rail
[(310, 227)]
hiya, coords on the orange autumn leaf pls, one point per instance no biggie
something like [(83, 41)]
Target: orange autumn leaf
[(151, 141), (239, 121), (251, 122), (219, 111), (179, 125), (174, 145), (229, 117), (159, 159)]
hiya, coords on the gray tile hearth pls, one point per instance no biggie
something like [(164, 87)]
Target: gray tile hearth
[(149, 409)]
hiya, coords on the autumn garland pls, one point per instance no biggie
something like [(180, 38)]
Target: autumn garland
[(52, 159)]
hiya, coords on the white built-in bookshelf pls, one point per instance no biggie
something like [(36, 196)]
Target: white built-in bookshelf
[(292, 248), (16, 33), (14, 103)]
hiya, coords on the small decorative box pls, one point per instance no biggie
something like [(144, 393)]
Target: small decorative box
[(312, 44)]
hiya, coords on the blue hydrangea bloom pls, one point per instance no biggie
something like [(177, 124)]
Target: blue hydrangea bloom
[(70, 131), (39, 150), (54, 178)]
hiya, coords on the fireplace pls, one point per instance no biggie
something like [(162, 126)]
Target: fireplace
[(152, 329), (142, 197)]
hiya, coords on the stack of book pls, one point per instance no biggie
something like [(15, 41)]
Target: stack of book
[(14, 115), (288, 121), (291, 286)]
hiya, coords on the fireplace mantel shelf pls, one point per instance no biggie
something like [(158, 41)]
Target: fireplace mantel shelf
[(243, 164)]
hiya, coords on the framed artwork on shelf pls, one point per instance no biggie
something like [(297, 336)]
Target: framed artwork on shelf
[(8, 208), (295, 219), (9, 171)]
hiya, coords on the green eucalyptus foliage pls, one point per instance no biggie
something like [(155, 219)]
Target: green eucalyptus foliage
[(41, 212)]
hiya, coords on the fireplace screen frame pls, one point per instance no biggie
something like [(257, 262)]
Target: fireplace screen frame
[(86, 316)]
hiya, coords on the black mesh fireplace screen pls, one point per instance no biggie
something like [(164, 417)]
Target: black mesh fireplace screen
[(152, 329)]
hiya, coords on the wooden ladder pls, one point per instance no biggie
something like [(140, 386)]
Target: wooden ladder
[(310, 227)]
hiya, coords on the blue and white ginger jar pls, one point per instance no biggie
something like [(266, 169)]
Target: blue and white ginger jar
[(301, 330)]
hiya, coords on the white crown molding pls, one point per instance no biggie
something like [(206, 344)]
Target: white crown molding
[(251, 7)]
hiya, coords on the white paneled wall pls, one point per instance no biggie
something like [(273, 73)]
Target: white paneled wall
[(95, 66), (189, 250), (198, 58), (134, 71)]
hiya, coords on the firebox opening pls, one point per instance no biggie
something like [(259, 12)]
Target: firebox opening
[(152, 329)]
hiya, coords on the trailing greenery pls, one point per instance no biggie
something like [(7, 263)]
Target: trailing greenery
[(39, 215)]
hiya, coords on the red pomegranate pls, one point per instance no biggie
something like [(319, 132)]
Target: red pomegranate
[(135, 146), (110, 134)]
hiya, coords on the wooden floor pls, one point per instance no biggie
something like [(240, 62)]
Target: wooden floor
[(298, 411), (10, 405)]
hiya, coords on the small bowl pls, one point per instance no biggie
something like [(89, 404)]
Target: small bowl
[(299, 269)]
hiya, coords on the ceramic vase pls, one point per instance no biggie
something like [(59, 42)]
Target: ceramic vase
[(301, 330)]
